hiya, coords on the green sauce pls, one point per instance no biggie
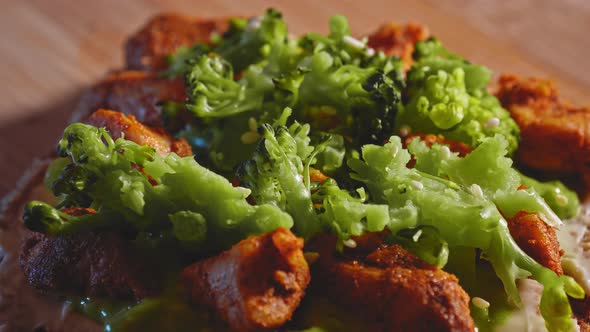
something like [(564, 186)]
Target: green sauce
[(479, 280), (149, 315)]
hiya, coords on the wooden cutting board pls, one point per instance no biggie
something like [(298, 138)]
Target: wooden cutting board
[(51, 50)]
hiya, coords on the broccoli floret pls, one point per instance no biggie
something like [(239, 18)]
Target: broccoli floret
[(278, 174), (214, 93), (332, 83), (447, 95), (180, 62), (249, 41), (201, 210)]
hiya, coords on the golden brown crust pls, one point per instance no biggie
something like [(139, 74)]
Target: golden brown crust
[(256, 285), (163, 35), (118, 124), (537, 239), (581, 309), (396, 290), (398, 40), (554, 134)]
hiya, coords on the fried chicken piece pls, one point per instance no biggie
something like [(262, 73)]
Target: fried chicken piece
[(396, 290), (581, 309), (398, 40), (134, 93), (256, 285), (164, 34), (118, 124), (537, 239), (88, 264), (554, 134)]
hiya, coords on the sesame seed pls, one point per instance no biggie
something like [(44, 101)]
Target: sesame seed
[(417, 185), (252, 124), (417, 235), (445, 152), (350, 243), (476, 191), (253, 24), (405, 131), (492, 123), (351, 41), (480, 303), (249, 137), (561, 200), (244, 191)]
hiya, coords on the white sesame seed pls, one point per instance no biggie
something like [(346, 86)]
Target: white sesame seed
[(249, 137), (351, 41), (492, 122), (405, 131), (480, 303), (445, 152), (370, 51), (476, 190), (350, 243), (252, 124), (254, 23), (561, 200), (244, 191), (417, 235), (417, 185)]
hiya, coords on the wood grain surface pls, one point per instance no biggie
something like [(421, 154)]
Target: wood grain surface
[(51, 50)]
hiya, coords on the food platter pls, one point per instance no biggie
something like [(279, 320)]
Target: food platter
[(477, 131)]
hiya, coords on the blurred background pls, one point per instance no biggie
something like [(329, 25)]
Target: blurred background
[(51, 50)]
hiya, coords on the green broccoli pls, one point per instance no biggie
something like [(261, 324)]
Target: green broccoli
[(198, 208), (278, 174), (447, 95)]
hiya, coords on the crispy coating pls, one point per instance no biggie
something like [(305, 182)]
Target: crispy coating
[(554, 134), (164, 34), (396, 290), (537, 239), (398, 40), (256, 285), (581, 309), (131, 92), (88, 264), (118, 124)]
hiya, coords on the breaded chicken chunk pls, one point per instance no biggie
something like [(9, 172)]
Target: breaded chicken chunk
[(164, 34), (254, 286), (581, 309), (555, 136), (399, 40), (119, 124), (131, 92), (537, 239), (396, 290), (100, 264)]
